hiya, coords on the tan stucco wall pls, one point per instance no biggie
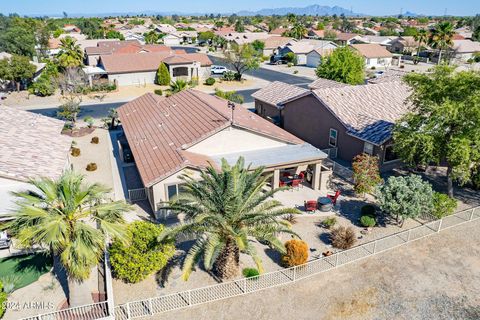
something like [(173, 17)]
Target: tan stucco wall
[(234, 140)]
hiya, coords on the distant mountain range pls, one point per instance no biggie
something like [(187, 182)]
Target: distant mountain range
[(309, 10)]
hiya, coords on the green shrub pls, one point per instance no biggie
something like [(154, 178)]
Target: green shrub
[(443, 205), (373, 68), (229, 95), (92, 166), (367, 221), (368, 210), (210, 81), (3, 300), (142, 255), (89, 121), (193, 82), (95, 140), (295, 72), (43, 87), (163, 75), (229, 76), (289, 64), (297, 253), (250, 272), (158, 91), (75, 152), (289, 57), (329, 222)]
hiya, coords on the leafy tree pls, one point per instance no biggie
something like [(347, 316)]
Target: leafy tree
[(43, 87), (329, 35), (258, 45), (366, 173), (206, 36), (113, 34), (343, 65), (230, 95), (405, 197), (141, 255), (242, 58), (177, 86), (225, 209), (151, 37), (443, 205), (239, 27), (441, 37), (17, 69), (410, 31), (61, 215), (71, 54), (320, 26), (18, 38), (443, 126)]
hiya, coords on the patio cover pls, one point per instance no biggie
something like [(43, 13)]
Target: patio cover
[(272, 157)]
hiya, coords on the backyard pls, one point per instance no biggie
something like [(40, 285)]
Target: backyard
[(24, 269)]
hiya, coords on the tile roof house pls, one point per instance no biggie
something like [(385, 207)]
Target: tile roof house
[(184, 133), (465, 49), (375, 55), (402, 44), (32, 146), (273, 43), (141, 68), (303, 47), (352, 119)]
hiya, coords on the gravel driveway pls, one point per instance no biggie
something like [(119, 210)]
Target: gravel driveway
[(433, 278)]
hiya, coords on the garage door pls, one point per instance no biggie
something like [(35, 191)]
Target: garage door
[(313, 61)]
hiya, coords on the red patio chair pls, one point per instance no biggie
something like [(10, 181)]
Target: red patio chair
[(296, 183), (285, 174), (310, 205), (282, 183), (334, 197), (301, 175)]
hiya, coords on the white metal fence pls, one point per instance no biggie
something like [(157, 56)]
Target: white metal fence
[(137, 194), (94, 311), (331, 152), (340, 170), (156, 305)]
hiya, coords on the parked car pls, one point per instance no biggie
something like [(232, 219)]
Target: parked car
[(278, 59), (4, 240), (218, 69)]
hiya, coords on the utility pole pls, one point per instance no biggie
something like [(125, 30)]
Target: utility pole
[(231, 105)]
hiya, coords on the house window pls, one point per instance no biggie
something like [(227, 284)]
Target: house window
[(173, 190), (368, 148), (381, 61), (389, 154), (332, 139)]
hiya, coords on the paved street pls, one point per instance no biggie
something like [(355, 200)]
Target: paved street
[(268, 75)]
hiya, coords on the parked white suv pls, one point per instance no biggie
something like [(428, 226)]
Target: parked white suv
[(218, 69)]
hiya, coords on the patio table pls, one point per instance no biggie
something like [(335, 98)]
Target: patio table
[(325, 204)]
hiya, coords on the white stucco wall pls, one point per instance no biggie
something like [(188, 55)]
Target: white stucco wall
[(301, 59), (137, 78), (171, 41), (7, 200), (378, 63), (234, 140)]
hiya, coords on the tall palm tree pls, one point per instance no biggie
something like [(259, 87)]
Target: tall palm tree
[(298, 31), (441, 37), (421, 37), (177, 86), (71, 54), (225, 210), (73, 220)]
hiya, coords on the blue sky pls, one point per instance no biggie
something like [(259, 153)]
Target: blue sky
[(375, 7)]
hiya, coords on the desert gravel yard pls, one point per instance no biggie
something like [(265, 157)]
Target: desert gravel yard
[(437, 277)]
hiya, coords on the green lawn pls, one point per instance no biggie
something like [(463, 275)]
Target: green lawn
[(28, 268)]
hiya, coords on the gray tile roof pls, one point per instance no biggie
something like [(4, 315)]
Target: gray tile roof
[(322, 83), (278, 92), (389, 76), (367, 111), (31, 145)]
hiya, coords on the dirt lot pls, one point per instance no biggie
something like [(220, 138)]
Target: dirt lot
[(433, 278)]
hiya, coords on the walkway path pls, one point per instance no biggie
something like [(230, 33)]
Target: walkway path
[(434, 278)]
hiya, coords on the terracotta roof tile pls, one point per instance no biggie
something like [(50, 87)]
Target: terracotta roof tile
[(278, 92), (31, 145), (372, 50), (160, 129)]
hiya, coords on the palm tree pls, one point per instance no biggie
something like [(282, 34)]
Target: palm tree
[(441, 37), (421, 37), (151, 37), (177, 86), (71, 54), (73, 220), (298, 31), (225, 210)]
